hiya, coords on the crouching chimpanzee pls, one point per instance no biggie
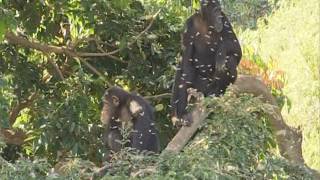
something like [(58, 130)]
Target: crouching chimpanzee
[(210, 58), (121, 108)]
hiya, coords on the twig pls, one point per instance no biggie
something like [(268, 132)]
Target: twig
[(159, 96), (129, 44), (94, 70), (150, 169), (110, 56), (147, 28), (55, 67)]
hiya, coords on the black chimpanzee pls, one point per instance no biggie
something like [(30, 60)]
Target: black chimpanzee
[(121, 108), (209, 60)]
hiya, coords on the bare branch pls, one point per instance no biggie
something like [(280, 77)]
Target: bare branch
[(94, 70), (288, 139), (147, 28), (151, 169), (56, 67), (186, 132), (13, 39), (159, 96)]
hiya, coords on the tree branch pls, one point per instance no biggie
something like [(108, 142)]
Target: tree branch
[(198, 115), (13, 39), (15, 111), (93, 69), (159, 96), (289, 140), (56, 67)]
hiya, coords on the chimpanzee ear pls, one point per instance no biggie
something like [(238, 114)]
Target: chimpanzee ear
[(115, 100), (218, 24)]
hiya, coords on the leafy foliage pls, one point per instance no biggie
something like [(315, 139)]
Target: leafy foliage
[(64, 115), (61, 116), (290, 37), (269, 72), (245, 14), (234, 142)]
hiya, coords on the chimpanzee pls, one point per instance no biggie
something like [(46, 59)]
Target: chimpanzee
[(211, 54), (121, 108)]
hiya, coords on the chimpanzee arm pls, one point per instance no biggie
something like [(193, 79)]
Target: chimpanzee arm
[(227, 60), (231, 43), (233, 52), (145, 135), (185, 74)]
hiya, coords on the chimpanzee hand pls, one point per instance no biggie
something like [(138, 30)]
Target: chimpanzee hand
[(186, 120)]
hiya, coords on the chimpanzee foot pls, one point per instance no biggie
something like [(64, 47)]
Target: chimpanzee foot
[(185, 121)]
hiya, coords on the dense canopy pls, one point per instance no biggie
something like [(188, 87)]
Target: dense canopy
[(58, 57)]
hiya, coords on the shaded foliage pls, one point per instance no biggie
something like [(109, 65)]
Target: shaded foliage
[(63, 118), (234, 142)]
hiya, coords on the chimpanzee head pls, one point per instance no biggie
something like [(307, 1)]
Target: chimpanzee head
[(118, 104), (211, 12), (114, 100)]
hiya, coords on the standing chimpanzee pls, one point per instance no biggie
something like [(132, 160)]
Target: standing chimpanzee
[(121, 108), (209, 60)]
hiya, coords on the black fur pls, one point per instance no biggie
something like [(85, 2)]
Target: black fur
[(209, 60), (144, 135)]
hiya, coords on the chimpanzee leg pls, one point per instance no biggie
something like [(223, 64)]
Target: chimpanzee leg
[(114, 140), (145, 135), (179, 99), (184, 80)]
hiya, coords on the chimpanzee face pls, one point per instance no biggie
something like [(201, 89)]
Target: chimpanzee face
[(109, 110), (211, 12)]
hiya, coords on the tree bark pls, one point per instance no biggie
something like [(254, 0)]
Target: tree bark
[(183, 136), (289, 140)]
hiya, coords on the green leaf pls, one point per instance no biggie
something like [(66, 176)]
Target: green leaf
[(123, 43), (159, 107), (3, 29), (72, 127), (121, 4)]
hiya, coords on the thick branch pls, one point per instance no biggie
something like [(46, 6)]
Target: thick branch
[(13, 39), (289, 140), (186, 132), (16, 137)]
